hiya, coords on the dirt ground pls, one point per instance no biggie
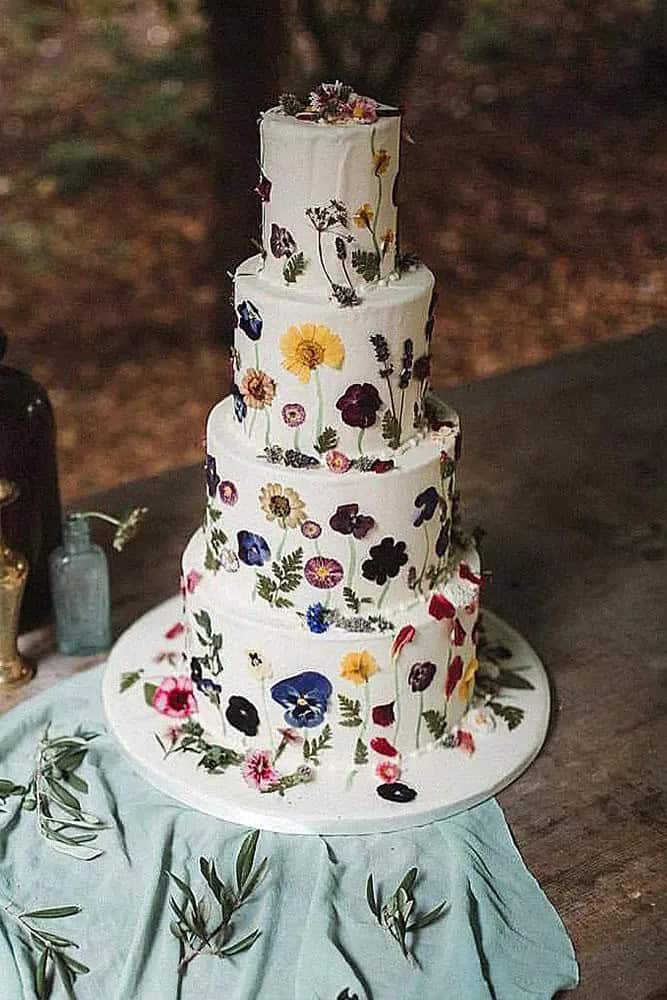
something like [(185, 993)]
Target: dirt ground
[(535, 189)]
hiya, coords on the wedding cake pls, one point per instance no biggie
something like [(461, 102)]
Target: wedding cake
[(331, 598)]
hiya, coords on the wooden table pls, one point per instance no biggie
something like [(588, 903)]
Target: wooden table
[(564, 466)]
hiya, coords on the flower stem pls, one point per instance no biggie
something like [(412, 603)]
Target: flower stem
[(266, 714), (419, 719), (267, 435), (397, 703), (321, 256), (353, 561), (320, 402), (360, 441), (383, 594), (282, 545), (257, 357), (296, 439), (420, 578)]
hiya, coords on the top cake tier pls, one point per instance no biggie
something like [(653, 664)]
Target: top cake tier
[(328, 201)]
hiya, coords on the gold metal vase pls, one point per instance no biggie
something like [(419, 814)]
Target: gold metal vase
[(14, 668)]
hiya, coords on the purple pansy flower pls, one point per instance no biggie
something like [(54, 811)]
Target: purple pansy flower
[(359, 405), (250, 320), (385, 562), (282, 241), (348, 521), (421, 675), (228, 493), (212, 477), (253, 549), (427, 501), (305, 697)]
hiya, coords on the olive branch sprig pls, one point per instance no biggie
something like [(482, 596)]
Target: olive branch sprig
[(396, 915), (53, 949), (52, 794), (193, 926)]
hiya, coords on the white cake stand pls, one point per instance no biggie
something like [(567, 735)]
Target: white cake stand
[(447, 779)]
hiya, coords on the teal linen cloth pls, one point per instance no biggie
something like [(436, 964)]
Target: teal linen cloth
[(500, 938)]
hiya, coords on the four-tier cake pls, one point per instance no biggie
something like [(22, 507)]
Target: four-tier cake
[(330, 597)]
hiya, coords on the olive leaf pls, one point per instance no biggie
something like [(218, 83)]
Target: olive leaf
[(397, 914), (54, 959), (193, 927)]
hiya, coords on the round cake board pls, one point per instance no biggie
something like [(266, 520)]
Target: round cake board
[(447, 780)]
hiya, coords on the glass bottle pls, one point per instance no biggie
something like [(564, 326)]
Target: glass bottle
[(80, 586), (28, 458)]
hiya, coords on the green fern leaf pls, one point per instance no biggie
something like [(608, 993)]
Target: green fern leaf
[(293, 267)]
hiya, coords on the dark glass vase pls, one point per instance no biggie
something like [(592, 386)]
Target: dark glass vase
[(32, 525)]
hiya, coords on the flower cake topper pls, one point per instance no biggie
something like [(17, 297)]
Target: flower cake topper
[(335, 104)]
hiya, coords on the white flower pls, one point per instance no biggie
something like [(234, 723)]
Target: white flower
[(229, 560), (481, 720), (257, 665)]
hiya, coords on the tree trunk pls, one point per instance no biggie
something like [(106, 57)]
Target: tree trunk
[(246, 42)]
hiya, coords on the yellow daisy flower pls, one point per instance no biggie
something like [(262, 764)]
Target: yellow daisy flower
[(308, 346), (282, 504), (358, 667), (381, 162), (363, 216), (467, 682)]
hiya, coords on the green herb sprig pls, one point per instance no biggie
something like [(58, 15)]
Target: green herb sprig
[(52, 794), (52, 955), (396, 915), (194, 927), (213, 757)]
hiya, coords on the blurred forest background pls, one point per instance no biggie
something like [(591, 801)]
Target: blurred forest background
[(535, 188)]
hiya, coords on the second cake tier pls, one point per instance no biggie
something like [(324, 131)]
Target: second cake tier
[(337, 548)]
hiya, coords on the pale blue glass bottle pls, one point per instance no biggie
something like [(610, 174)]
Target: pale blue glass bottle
[(79, 574)]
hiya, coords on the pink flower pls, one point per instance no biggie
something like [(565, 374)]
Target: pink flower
[(383, 746), (181, 585), (174, 697), (467, 574), (293, 414), (362, 109), (383, 715), (439, 607), (173, 734), (406, 635), (290, 735), (257, 770), (228, 493), (323, 573), (191, 581), (338, 462), (175, 631), (459, 633), (465, 741), (388, 771), (454, 675)]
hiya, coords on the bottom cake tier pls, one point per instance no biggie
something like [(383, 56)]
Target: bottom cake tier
[(291, 702)]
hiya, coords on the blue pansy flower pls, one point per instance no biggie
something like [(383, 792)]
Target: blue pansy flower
[(442, 541), (240, 406), (250, 320), (253, 549), (203, 684), (305, 697), (212, 477), (318, 618), (427, 501)]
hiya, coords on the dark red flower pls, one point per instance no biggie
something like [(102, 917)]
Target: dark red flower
[(383, 746), (380, 465), (454, 675), (459, 633), (348, 521), (465, 741), (359, 405), (174, 631), (467, 574), (403, 637), (385, 562), (383, 715), (439, 607), (263, 188)]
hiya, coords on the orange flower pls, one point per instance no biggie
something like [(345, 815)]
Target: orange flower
[(381, 162), (467, 682), (358, 667), (257, 389), (363, 216)]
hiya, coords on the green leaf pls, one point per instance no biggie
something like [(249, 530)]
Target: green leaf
[(350, 711), (242, 945), (149, 693), (78, 968), (366, 263), (203, 619), (65, 974), (313, 748), (185, 889), (360, 752), (512, 679), (370, 897), (327, 440), (407, 883), (40, 975), (293, 267), (76, 782), (391, 429), (436, 723), (511, 714), (428, 918), (255, 879), (53, 912), (246, 859), (62, 794), (129, 678)]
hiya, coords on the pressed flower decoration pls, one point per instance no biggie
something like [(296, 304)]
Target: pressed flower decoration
[(311, 529), (283, 505), (359, 406), (282, 242), (385, 561), (293, 414), (358, 667), (212, 477), (305, 348), (258, 665), (250, 320), (258, 389), (240, 407), (383, 715), (323, 573), (174, 697), (253, 549), (228, 493), (242, 715), (258, 771), (348, 521), (305, 698)]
